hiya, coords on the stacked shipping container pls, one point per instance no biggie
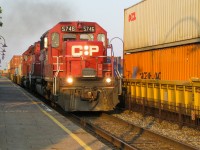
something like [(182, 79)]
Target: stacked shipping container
[(13, 67), (14, 63), (162, 40), (172, 63)]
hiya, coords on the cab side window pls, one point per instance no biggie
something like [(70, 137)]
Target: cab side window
[(87, 37)]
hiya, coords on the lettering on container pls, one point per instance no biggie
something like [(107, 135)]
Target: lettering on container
[(148, 75), (132, 16)]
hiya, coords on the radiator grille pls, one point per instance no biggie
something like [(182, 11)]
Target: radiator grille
[(89, 72)]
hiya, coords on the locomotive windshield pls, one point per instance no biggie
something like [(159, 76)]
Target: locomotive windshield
[(87, 37), (69, 37)]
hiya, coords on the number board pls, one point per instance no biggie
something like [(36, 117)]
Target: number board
[(73, 29), (88, 29), (68, 28)]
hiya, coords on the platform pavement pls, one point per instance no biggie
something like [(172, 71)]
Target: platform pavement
[(28, 124)]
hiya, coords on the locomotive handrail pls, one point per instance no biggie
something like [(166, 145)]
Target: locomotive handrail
[(118, 74), (81, 56), (55, 76)]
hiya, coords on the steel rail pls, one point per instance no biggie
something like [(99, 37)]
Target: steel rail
[(107, 136), (173, 142)]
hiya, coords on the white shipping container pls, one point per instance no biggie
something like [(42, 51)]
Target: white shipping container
[(160, 22)]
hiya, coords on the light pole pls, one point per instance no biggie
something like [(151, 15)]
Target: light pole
[(122, 45), (3, 49), (3, 44), (120, 75), (2, 53), (120, 40)]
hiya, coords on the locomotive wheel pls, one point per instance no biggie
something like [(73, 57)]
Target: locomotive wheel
[(53, 104)]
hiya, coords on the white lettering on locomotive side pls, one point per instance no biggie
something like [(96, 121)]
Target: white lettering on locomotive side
[(78, 50)]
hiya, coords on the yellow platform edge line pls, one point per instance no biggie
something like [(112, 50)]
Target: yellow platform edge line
[(76, 138)]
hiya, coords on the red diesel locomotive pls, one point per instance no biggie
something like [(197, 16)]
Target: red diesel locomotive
[(74, 66), (30, 66)]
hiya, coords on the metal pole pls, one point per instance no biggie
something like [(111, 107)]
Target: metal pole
[(3, 45)]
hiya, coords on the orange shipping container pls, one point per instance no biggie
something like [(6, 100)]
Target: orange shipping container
[(14, 63), (172, 63)]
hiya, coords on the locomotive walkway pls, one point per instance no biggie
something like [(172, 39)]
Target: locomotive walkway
[(27, 123)]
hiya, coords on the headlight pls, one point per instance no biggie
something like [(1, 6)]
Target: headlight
[(108, 80), (69, 80)]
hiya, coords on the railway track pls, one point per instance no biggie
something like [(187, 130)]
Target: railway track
[(125, 135), (120, 133)]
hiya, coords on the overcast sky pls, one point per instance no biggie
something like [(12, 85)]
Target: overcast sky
[(24, 21)]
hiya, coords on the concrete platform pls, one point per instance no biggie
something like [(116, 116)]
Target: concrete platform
[(26, 123)]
